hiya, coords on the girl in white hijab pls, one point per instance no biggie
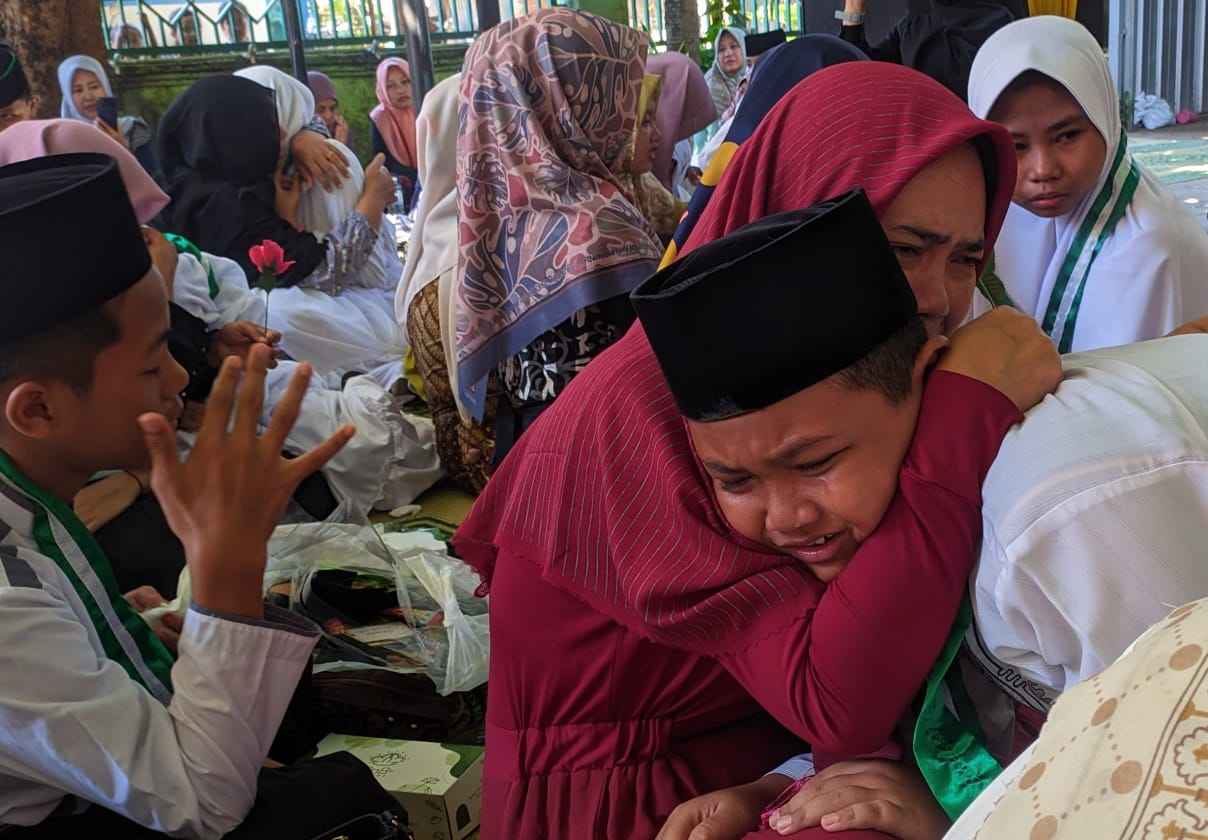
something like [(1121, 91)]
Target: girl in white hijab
[(83, 82), (1093, 246), (355, 328)]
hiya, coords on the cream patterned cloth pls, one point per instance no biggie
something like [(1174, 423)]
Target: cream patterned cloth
[(1123, 756)]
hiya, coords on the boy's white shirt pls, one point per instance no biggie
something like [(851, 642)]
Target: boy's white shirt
[(73, 724)]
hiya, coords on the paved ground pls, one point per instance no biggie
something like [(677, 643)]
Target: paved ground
[(1179, 156)]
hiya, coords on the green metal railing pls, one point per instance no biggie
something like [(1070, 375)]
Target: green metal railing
[(152, 27), (157, 27)]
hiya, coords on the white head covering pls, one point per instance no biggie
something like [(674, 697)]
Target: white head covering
[(295, 102), (432, 252), (134, 129), (433, 245), (1127, 264), (67, 71)]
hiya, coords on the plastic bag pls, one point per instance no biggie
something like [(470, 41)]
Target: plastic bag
[(396, 602), (1153, 111)]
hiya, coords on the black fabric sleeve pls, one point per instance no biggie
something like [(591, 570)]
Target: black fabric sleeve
[(261, 222), (889, 49)]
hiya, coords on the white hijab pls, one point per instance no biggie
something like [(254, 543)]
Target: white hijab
[(433, 246), (295, 102), (131, 127), (1126, 265), (432, 253)]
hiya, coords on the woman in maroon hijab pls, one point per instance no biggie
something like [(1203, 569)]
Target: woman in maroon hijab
[(643, 652)]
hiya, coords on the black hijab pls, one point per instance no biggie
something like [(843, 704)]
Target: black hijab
[(943, 40), (218, 150)]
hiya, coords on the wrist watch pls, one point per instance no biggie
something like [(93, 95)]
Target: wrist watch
[(850, 18)]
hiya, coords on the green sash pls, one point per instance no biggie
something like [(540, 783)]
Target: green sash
[(60, 535), (992, 287), (949, 752), (1061, 316), (184, 246)]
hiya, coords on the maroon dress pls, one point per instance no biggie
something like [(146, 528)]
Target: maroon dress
[(643, 653)]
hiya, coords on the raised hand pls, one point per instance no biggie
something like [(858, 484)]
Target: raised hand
[(224, 501)]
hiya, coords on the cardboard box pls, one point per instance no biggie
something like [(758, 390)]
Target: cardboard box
[(440, 785)]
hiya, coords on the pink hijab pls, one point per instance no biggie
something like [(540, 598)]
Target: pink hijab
[(39, 138), (685, 107), (396, 125)]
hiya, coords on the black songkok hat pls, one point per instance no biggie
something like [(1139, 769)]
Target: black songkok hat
[(760, 42), (70, 241), (774, 307), (13, 84)]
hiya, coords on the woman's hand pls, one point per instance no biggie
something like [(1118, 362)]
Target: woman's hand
[(101, 502), (239, 337), (318, 161), (1008, 351), (341, 132), (725, 814), (886, 796), (378, 192), (112, 133), (289, 198)]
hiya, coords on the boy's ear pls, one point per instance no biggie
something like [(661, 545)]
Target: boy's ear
[(27, 410), (928, 355)]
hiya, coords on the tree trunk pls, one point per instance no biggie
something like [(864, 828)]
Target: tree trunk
[(44, 32), (682, 21)]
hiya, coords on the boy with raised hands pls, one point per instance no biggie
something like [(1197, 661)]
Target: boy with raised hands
[(95, 711)]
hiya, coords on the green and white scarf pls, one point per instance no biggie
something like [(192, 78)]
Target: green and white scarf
[(59, 534), (1109, 206)]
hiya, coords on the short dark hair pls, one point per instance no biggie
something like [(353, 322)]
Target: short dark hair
[(66, 352), (889, 368)]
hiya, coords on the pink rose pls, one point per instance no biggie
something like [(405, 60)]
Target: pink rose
[(269, 258)]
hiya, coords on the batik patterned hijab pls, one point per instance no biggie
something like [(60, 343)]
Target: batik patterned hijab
[(549, 108)]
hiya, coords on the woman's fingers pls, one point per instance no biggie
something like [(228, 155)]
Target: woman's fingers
[(876, 815)]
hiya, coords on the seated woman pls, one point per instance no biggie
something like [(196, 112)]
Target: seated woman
[(388, 463), (652, 199), (83, 82), (322, 212), (672, 635), (1094, 247), (685, 108), (426, 295), (392, 124), (550, 245), (222, 154)]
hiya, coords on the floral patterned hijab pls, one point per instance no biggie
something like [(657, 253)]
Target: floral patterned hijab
[(549, 109)]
